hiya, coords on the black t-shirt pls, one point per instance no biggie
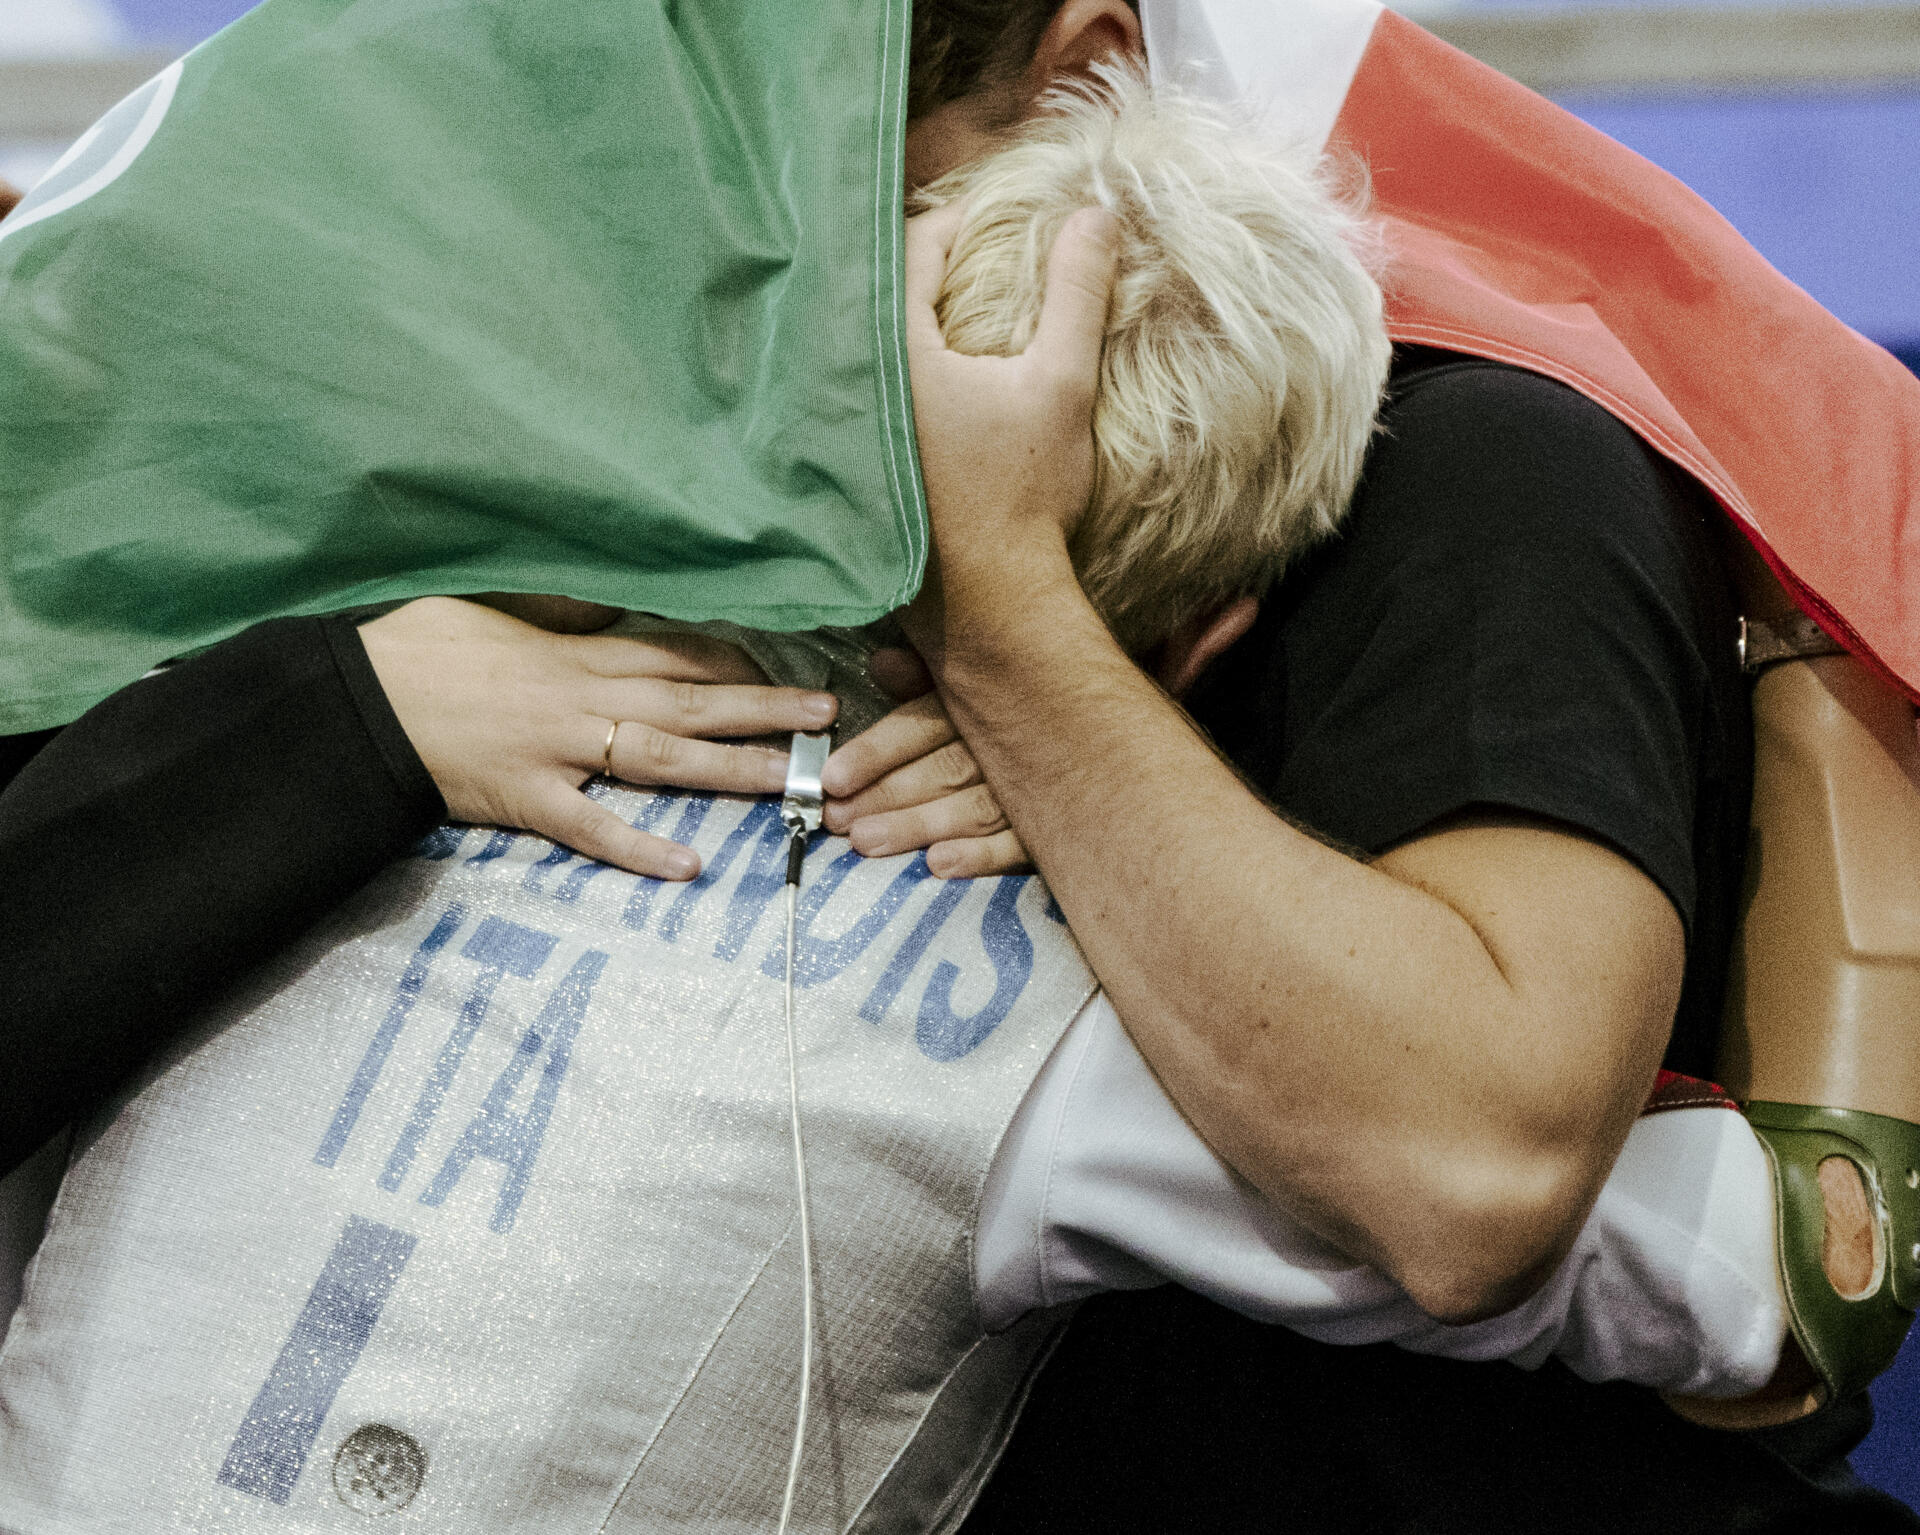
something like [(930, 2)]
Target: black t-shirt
[(1523, 612)]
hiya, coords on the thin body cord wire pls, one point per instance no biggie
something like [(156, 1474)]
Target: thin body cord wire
[(800, 1186)]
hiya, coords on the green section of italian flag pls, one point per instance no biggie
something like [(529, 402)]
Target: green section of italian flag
[(370, 299)]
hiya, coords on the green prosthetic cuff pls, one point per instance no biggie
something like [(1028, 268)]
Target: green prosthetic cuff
[(1847, 1341)]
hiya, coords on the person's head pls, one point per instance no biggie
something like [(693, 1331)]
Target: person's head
[(1245, 350), (980, 66)]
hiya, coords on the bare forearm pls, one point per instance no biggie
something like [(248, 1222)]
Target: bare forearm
[(1432, 1059), (1355, 1045)]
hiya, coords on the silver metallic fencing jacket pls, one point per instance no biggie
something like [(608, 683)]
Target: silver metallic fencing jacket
[(474, 1210)]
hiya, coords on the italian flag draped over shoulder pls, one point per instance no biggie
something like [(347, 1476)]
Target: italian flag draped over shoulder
[(369, 299), (1519, 233)]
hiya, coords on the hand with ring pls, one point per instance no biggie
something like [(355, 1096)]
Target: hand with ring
[(511, 721)]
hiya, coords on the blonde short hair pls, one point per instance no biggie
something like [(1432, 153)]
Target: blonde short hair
[(1245, 350)]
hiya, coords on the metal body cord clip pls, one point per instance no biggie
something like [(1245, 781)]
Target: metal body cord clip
[(800, 811)]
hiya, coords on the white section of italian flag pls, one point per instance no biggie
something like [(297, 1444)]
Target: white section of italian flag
[(1520, 233)]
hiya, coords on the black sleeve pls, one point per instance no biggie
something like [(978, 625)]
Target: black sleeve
[(173, 836), (1525, 611), (1520, 614)]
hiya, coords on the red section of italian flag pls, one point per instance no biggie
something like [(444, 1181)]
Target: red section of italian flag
[(1521, 234)]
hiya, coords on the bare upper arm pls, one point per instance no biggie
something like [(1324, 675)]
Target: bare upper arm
[(1592, 953)]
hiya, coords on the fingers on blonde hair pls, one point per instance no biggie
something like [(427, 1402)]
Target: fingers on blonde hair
[(1245, 348)]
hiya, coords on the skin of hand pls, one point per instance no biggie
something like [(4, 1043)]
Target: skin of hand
[(1432, 1059), (512, 720), (916, 782), (910, 782)]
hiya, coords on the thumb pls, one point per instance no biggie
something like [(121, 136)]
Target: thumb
[(1073, 314)]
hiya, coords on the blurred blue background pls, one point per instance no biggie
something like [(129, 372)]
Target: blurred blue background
[(1823, 177), (1827, 185)]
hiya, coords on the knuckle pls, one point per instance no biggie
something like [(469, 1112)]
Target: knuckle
[(737, 768), (918, 825), (659, 750), (689, 700), (575, 824), (983, 811), (954, 768), (889, 796)]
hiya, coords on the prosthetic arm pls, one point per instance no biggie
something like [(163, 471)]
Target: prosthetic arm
[(1819, 1038)]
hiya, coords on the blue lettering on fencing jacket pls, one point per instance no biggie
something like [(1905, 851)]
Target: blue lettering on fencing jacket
[(326, 1341), (942, 1034), (692, 817), (817, 960), (511, 1139), (381, 1045), (751, 861), (762, 880), (280, 1428), (500, 949)]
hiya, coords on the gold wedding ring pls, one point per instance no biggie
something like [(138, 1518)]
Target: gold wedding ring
[(606, 756)]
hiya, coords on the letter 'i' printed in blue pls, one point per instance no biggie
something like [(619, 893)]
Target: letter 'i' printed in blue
[(514, 1139), (441, 843), (500, 949), (325, 1344), (640, 903), (818, 960), (943, 1035), (381, 1045), (952, 892)]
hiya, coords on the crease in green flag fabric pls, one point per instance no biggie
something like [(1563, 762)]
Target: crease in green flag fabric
[(366, 300)]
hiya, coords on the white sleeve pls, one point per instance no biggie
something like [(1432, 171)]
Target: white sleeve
[(1101, 1184), (1672, 1282)]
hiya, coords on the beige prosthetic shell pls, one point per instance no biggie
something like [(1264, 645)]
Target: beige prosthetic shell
[(1823, 1000)]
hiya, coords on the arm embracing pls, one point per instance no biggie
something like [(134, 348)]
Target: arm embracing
[(187, 827), (1433, 1057)]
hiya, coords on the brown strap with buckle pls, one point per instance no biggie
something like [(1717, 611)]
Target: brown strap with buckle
[(1764, 641)]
